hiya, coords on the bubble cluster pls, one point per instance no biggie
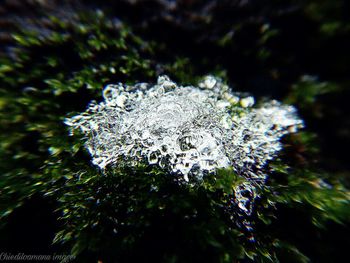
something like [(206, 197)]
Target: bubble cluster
[(186, 130)]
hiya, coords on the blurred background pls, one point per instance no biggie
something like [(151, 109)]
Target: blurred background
[(55, 57)]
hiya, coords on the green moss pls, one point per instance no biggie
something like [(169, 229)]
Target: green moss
[(52, 76)]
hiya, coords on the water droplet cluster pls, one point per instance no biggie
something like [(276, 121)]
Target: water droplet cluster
[(186, 130)]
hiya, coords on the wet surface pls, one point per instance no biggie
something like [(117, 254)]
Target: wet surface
[(190, 131)]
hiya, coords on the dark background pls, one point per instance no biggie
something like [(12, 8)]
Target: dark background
[(262, 47)]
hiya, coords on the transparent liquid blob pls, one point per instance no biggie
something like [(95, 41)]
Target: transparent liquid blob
[(186, 130)]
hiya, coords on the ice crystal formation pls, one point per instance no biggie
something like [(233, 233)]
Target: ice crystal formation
[(186, 130)]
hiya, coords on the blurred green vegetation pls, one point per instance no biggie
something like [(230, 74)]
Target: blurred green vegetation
[(51, 69)]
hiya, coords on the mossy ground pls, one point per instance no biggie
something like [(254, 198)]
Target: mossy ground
[(51, 191)]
